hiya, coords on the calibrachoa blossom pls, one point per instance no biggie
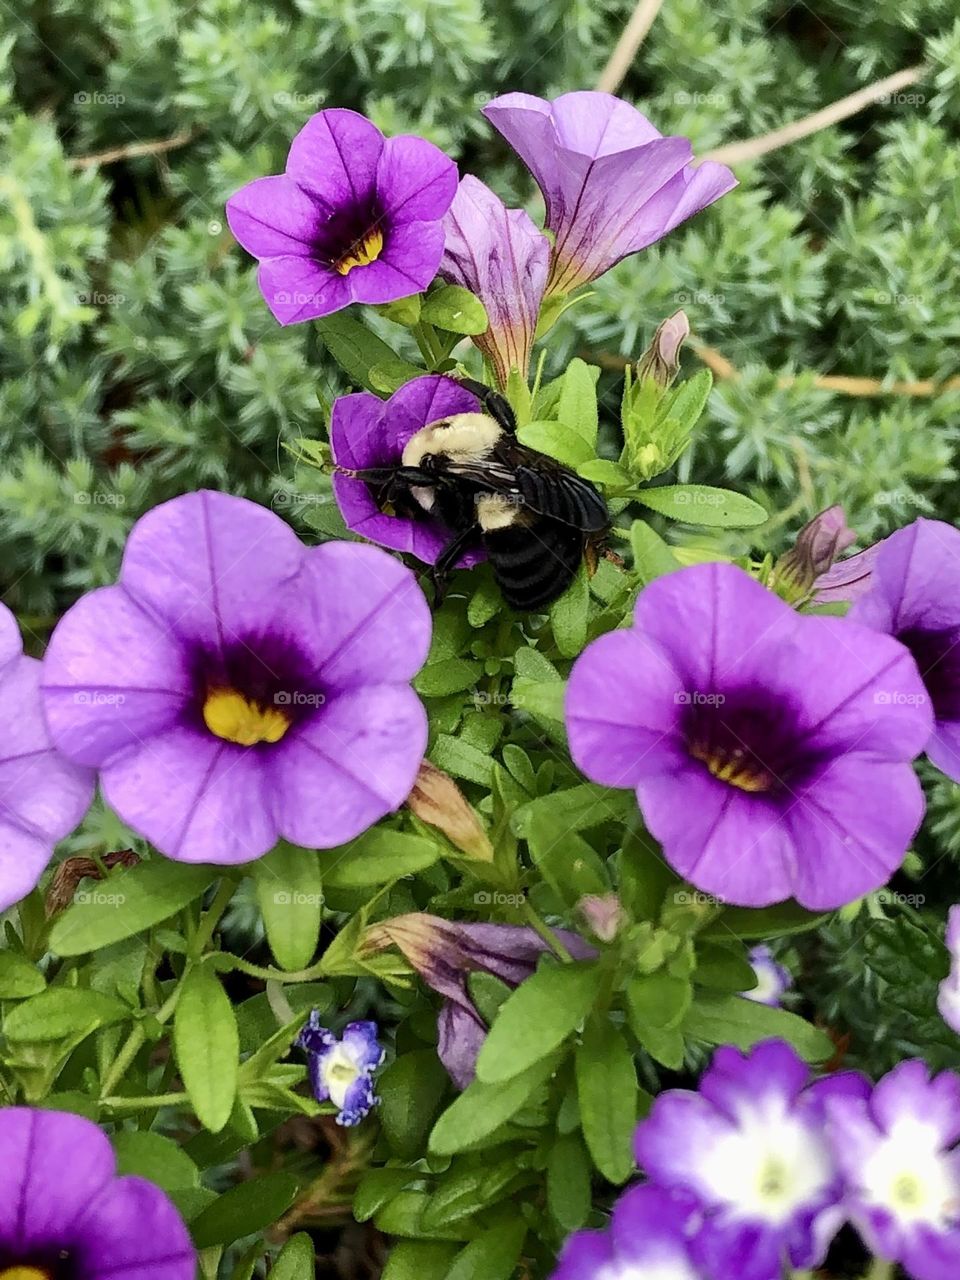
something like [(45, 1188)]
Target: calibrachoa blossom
[(355, 217), (915, 595), (499, 255), (772, 978), (65, 1213), (341, 1068), (899, 1155), (42, 796), (365, 432), (611, 183), (769, 751), (749, 1145), (948, 995), (648, 1238), (445, 953), (236, 687)]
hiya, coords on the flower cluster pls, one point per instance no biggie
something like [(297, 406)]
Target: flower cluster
[(761, 1166)]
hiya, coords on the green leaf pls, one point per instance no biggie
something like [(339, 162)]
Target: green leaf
[(543, 699), (577, 407), (290, 894), (296, 1260), (545, 1009), (743, 1023), (411, 1092), (687, 401), (483, 1108), (376, 857), (244, 1209), (358, 352), (567, 863), (652, 558), (665, 1047), (151, 1155), (492, 1256), (606, 473), (466, 1192), (703, 505), (129, 902), (377, 1187), (207, 1048), (607, 1094), (18, 977), (557, 441), (645, 878), (576, 808), (449, 675), (403, 1216), (659, 1000), (456, 310), (63, 1012), (461, 760), (569, 615), (568, 1182), (765, 922), (723, 968), (419, 1260)]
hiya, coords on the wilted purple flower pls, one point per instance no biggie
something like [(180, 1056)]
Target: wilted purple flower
[(235, 686), (612, 184), (847, 580), (42, 796), (649, 1237), (899, 1155), (915, 595), (445, 952), (365, 432), (948, 994), (341, 1068), (65, 1213), (750, 1147), (817, 546), (769, 751), (356, 217), (499, 255), (772, 978)]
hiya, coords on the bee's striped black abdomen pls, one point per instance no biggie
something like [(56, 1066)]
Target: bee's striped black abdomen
[(534, 563)]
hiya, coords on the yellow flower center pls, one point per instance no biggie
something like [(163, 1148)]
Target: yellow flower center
[(237, 719), (360, 254), (737, 767), (24, 1273)]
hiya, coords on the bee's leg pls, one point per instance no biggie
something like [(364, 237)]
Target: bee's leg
[(440, 573), (498, 406), (384, 475)]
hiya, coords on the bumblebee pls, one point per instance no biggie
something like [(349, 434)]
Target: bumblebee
[(534, 517)]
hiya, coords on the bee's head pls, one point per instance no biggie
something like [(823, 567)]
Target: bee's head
[(466, 437)]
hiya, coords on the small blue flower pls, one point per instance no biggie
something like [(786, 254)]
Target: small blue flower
[(772, 978), (341, 1070)]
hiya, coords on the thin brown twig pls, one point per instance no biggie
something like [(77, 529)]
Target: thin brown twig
[(751, 148), (130, 149), (631, 38)]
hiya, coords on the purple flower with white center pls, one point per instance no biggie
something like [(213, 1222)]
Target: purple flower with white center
[(772, 978), (445, 953), (499, 255), (749, 1146), (64, 1213), (769, 751), (236, 687), (948, 994), (915, 595), (355, 217), (42, 796), (648, 1239), (366, 432), (898, 1153), (341, 1068), (612, 184)]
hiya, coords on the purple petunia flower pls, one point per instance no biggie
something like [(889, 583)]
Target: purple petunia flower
[(42, 796), (649, 1237), (64, 1212), (769, 751), (948, 994), (915, 595), (341, 1068), (899, 1155), (499, 255), (445, 953), (611, 183), (356, 217), (365, 432), (235, 686), (772, 978), (750, 1147)]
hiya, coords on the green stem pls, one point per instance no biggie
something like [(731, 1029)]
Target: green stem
[(546, 933), (211, 919), (274, 975), (134, 1043), (150, 1101)]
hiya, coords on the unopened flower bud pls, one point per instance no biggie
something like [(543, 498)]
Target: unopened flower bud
[(437, 800), (661, 360)]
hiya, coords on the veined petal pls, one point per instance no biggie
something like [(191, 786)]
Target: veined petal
[(298, 288), (273, 218), (415, 181), (335, 157)]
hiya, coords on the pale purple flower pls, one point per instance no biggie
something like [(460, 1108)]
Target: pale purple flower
[(948, 994), (236, 687), (915, 595), (42, 795), (817, 546), (612, 184), (499, 255), (65, 1213), (899, 1156), (847, 580), (648, 1239), (355, 217), (366, 432), (341, 1067), (750, 1147), (769, 751), (772, 978)]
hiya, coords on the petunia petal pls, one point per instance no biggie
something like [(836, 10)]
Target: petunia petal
[(273, 217), (11, 645), (131, 1231), (409, 261), (415, 181), (298, 288), (335, 157)]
